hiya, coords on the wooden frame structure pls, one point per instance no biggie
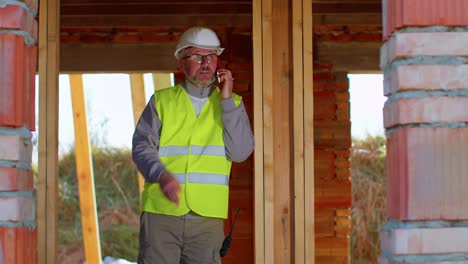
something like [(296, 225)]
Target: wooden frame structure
[(267, 247), (267, 129)]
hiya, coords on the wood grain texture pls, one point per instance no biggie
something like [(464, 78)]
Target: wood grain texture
[(85, 174)]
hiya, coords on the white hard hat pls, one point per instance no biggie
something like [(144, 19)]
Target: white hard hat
[(198, 37)]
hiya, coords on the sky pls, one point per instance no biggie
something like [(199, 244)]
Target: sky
[(110, 115)]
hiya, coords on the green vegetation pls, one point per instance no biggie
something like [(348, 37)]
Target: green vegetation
[(117, 199), (369, 198)]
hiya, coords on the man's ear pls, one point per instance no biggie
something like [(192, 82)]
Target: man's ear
[(180, 65)]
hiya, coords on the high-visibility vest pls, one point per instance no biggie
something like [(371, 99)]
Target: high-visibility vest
[(192, 149)]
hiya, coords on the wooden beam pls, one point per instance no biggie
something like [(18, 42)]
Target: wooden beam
[(117, 57), (268, 159), (282, 91), (355, 7), (349, 56), (137, 86), (308, 123), (155, 8), (298, 129), (161, 81), (258, 109), (348, 19), (125, 21), (47, 181), (84, 172)]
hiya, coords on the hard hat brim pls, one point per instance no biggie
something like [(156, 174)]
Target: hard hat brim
[(218, 50)]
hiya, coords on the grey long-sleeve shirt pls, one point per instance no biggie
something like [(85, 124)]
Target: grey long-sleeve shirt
[(237, 134)]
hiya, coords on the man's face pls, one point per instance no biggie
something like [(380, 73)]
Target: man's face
[(199, 65)]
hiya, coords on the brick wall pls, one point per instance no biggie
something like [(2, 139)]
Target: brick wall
[(332, 141), (425, 80), (18, 52)]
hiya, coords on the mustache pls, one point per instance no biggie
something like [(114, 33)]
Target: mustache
[(205, 69)]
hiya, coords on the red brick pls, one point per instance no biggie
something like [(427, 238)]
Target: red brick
[(343, 37), (331, 247), (422, 13), (17, 81), (18, 245), (427, 77), (15, 179), (324, 105), (403, 45), (332, 193), (426, 174), (15, 17), (241, 86), (334, 134), (330, 86), (322, 66), (425, 110), (324, 161), (323, 222)]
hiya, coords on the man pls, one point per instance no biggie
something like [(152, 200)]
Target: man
[(183, 145)]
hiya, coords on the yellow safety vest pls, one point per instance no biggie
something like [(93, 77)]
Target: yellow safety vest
[(192, 149)]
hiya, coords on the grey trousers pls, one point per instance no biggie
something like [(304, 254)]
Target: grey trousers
[(188, 239)]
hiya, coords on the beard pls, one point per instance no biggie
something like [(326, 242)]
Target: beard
[(201, 83)]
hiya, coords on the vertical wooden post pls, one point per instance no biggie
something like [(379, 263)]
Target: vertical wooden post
[(84, 171), (139, 102), (259, 218), (47, 183), (284, 190), (161, 80), (308, 124), (303, 132)]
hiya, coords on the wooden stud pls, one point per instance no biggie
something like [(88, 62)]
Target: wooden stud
[(161, 81), (268, 169), (298, 116), (47, 183), (281, 145), (84, 171), (308, 102), (259, 217), (139, 102)]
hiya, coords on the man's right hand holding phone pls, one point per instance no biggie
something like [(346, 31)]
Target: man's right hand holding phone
[(225, 82)]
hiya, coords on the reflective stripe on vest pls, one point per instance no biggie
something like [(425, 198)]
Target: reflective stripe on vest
[(209, 150), (203, 178)]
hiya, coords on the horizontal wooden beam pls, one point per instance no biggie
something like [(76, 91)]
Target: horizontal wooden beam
[(117, 57), (131, 8), (348, 19), (145, 21), (172, 2), (320, 8), (350, 55)]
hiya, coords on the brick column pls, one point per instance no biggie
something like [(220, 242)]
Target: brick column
[(18, 36), (332, 144), (426, 120)]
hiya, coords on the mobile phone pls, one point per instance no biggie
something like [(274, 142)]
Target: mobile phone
[(218, 66)]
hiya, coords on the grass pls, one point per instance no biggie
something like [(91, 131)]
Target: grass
[(369, 198), (117, 199)]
